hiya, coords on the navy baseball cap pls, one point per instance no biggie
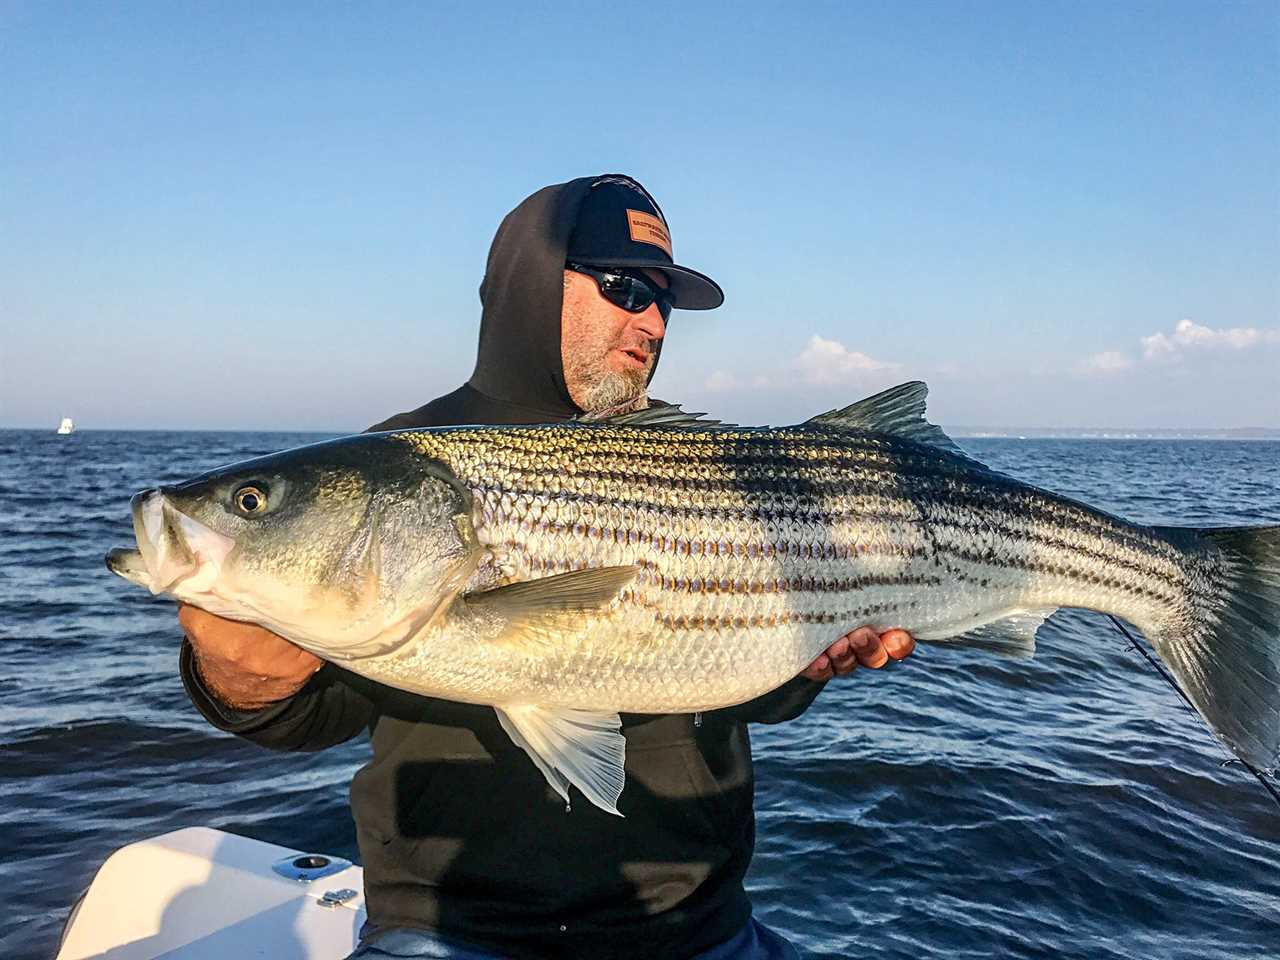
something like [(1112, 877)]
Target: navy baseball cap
[(620, 225)]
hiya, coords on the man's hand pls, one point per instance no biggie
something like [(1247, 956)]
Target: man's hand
[(863, 646), (244, 665)]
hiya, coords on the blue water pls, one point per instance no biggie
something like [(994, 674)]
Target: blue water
[(956, 806)]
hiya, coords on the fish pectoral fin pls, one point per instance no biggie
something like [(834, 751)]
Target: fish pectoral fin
[(579, 747), (574, 592), (1013, 635)]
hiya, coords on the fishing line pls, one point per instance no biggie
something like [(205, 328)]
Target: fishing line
[(1261, 777)]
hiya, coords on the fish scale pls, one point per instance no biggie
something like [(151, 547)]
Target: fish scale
[(743, 563), (565, 573)]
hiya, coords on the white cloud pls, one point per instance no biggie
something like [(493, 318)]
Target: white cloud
[(1106, 363), (1188, 335), (722, 381), (824, 362)]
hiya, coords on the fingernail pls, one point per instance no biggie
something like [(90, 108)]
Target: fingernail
[(862, 641)]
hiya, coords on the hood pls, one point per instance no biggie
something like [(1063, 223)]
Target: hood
[(519, 360)]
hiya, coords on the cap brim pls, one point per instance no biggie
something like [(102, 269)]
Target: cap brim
[(690, 290)]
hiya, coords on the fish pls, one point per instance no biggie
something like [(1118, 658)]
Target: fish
[(659, 562)]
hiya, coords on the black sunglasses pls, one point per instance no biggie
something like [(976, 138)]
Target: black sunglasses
[(629, 289)]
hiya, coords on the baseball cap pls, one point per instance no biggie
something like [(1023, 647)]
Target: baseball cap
[(620, 225)]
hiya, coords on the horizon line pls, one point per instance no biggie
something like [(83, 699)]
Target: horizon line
[(968, 431)]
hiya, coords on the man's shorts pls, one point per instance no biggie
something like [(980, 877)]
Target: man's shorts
[(755, 941)]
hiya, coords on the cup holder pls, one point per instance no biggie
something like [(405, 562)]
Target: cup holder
[(305, 867)]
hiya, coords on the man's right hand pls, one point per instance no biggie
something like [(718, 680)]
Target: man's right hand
[(245, 666)]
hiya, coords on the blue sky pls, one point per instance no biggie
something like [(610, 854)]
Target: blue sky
[(275, 216)]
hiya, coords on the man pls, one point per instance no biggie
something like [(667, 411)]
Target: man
[(467, 850)]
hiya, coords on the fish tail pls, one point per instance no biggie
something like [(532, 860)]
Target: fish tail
[(1224, 645)]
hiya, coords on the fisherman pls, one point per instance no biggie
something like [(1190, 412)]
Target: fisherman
[(468, 853)]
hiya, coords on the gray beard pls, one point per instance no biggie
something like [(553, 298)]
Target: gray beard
[(615, 393)]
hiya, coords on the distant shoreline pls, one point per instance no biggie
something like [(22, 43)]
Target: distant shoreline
[(1099, 433)]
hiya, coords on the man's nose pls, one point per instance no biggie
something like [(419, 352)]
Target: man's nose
[(649, 324)]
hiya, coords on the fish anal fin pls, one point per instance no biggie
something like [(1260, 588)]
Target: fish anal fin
[(1012, 635), (580, 747)]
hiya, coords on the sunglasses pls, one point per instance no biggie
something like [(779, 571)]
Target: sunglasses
[(629, 289)]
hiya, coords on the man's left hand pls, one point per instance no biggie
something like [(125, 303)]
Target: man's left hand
[(862, 647)]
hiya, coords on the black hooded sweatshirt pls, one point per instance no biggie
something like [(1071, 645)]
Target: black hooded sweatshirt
[(458, 831)]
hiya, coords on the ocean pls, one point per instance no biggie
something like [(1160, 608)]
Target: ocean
[(956, 805)]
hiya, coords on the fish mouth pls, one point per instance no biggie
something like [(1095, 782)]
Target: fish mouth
[(174, 550), (128, 563)]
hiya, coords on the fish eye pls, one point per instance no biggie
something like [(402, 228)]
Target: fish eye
[(250, 499)]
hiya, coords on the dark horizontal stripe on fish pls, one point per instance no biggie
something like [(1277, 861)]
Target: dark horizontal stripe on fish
[(997, 495), (796, 455), (749, 465), (612, 441), (1078, 574), (831, 551), (679, 546), (758, 447), (694, 622), (781, 508), (725, 585), (1021, 532), (830, 502), (1073, 575), (758, 465), (652, 574), (1144, 565), (940, 489)]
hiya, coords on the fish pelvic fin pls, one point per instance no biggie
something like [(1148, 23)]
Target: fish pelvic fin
[(580, 748), (1224, 646)]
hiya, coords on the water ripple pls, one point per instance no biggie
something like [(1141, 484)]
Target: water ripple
[(956, 805)]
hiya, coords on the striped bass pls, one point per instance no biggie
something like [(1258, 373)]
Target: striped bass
[(656, 563)]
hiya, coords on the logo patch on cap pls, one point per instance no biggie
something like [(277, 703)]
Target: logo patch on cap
[(646, 228)]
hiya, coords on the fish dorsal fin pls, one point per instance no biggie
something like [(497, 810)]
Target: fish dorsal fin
[(584, 748), (657, 414), (898, 411)]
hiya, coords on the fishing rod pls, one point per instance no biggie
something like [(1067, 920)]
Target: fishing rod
[(1261, 777)]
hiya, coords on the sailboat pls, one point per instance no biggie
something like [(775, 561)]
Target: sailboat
[(66, 426)]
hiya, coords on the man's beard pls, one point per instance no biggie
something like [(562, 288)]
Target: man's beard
[(612, 392), (600, 390)]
